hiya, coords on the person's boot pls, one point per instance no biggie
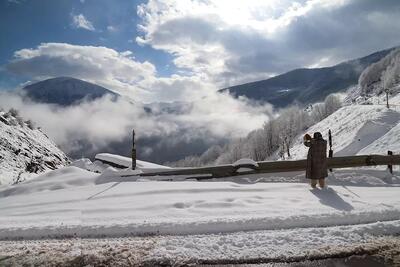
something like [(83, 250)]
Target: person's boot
[(313, 183), (321, 183)]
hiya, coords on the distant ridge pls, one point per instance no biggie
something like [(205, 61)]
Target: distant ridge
[(65, 91), (306, 85)]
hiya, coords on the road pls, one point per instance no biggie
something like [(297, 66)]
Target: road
[(146, 251)]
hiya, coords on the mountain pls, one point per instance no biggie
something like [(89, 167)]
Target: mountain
[(65, 91), (306, 85), (25, 151)]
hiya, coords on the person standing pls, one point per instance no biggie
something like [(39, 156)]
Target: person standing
[(316, 169)]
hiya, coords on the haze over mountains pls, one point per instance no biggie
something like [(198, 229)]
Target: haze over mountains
[(304, 85)]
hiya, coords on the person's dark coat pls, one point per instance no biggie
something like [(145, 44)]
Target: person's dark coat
[(316, 158)]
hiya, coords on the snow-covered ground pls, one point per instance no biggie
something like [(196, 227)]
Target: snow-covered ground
[(258, 216), (25, 151), (357, 129), (127, 162), (75, 202)]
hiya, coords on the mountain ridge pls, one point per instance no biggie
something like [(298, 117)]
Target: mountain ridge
[(65, 91), (306, 85)]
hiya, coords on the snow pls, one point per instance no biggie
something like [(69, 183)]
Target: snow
[(68, 177), (389, 141), (231, 248), (75, 202), (245, 162), (357, 129), (127, 162), (20, 146)]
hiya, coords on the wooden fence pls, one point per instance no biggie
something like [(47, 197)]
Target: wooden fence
[(276, 166)]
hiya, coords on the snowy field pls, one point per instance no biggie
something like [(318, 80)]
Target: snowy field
[(249, 217)]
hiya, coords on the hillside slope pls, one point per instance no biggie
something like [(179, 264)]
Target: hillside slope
[(24, 151), (357, 129), (306, 85)]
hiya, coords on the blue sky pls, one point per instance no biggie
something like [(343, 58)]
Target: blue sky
[(168, 50), (28, 23)]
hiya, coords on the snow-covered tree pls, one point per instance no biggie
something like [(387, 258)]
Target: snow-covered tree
[(210, 155), (13, 112), (391, 75), (30, 124), (332, 103), (14, 117), (258, 145), (381, 75)]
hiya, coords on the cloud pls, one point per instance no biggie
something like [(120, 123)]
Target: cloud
[(81, 22), (165, 133), (118, 71), (216, 44), (111, 28), (230, 43)]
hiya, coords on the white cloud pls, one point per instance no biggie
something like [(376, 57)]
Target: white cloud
[(81, 22), (118, 71), (230, 42), (111, 28), (104, 121)]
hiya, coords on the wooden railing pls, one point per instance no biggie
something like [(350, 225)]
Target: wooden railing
[(276, 166)]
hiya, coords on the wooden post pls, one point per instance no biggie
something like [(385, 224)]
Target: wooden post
[(387, 97), (133, 151), (390, 153), (330, 146)]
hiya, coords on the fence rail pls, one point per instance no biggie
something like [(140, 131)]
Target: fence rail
[(277, 166)]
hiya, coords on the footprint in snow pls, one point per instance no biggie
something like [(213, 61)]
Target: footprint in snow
[(181, 205)]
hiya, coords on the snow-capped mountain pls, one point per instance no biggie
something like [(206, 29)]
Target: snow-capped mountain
[(65, 91), (307, 85), (24, 150)]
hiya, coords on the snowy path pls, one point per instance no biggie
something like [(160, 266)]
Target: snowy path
[(178, 208), (290, 245)]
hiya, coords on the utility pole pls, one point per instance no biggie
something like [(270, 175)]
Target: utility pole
[(133, 151), (390, 167), (330, 146), (387, 97)]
